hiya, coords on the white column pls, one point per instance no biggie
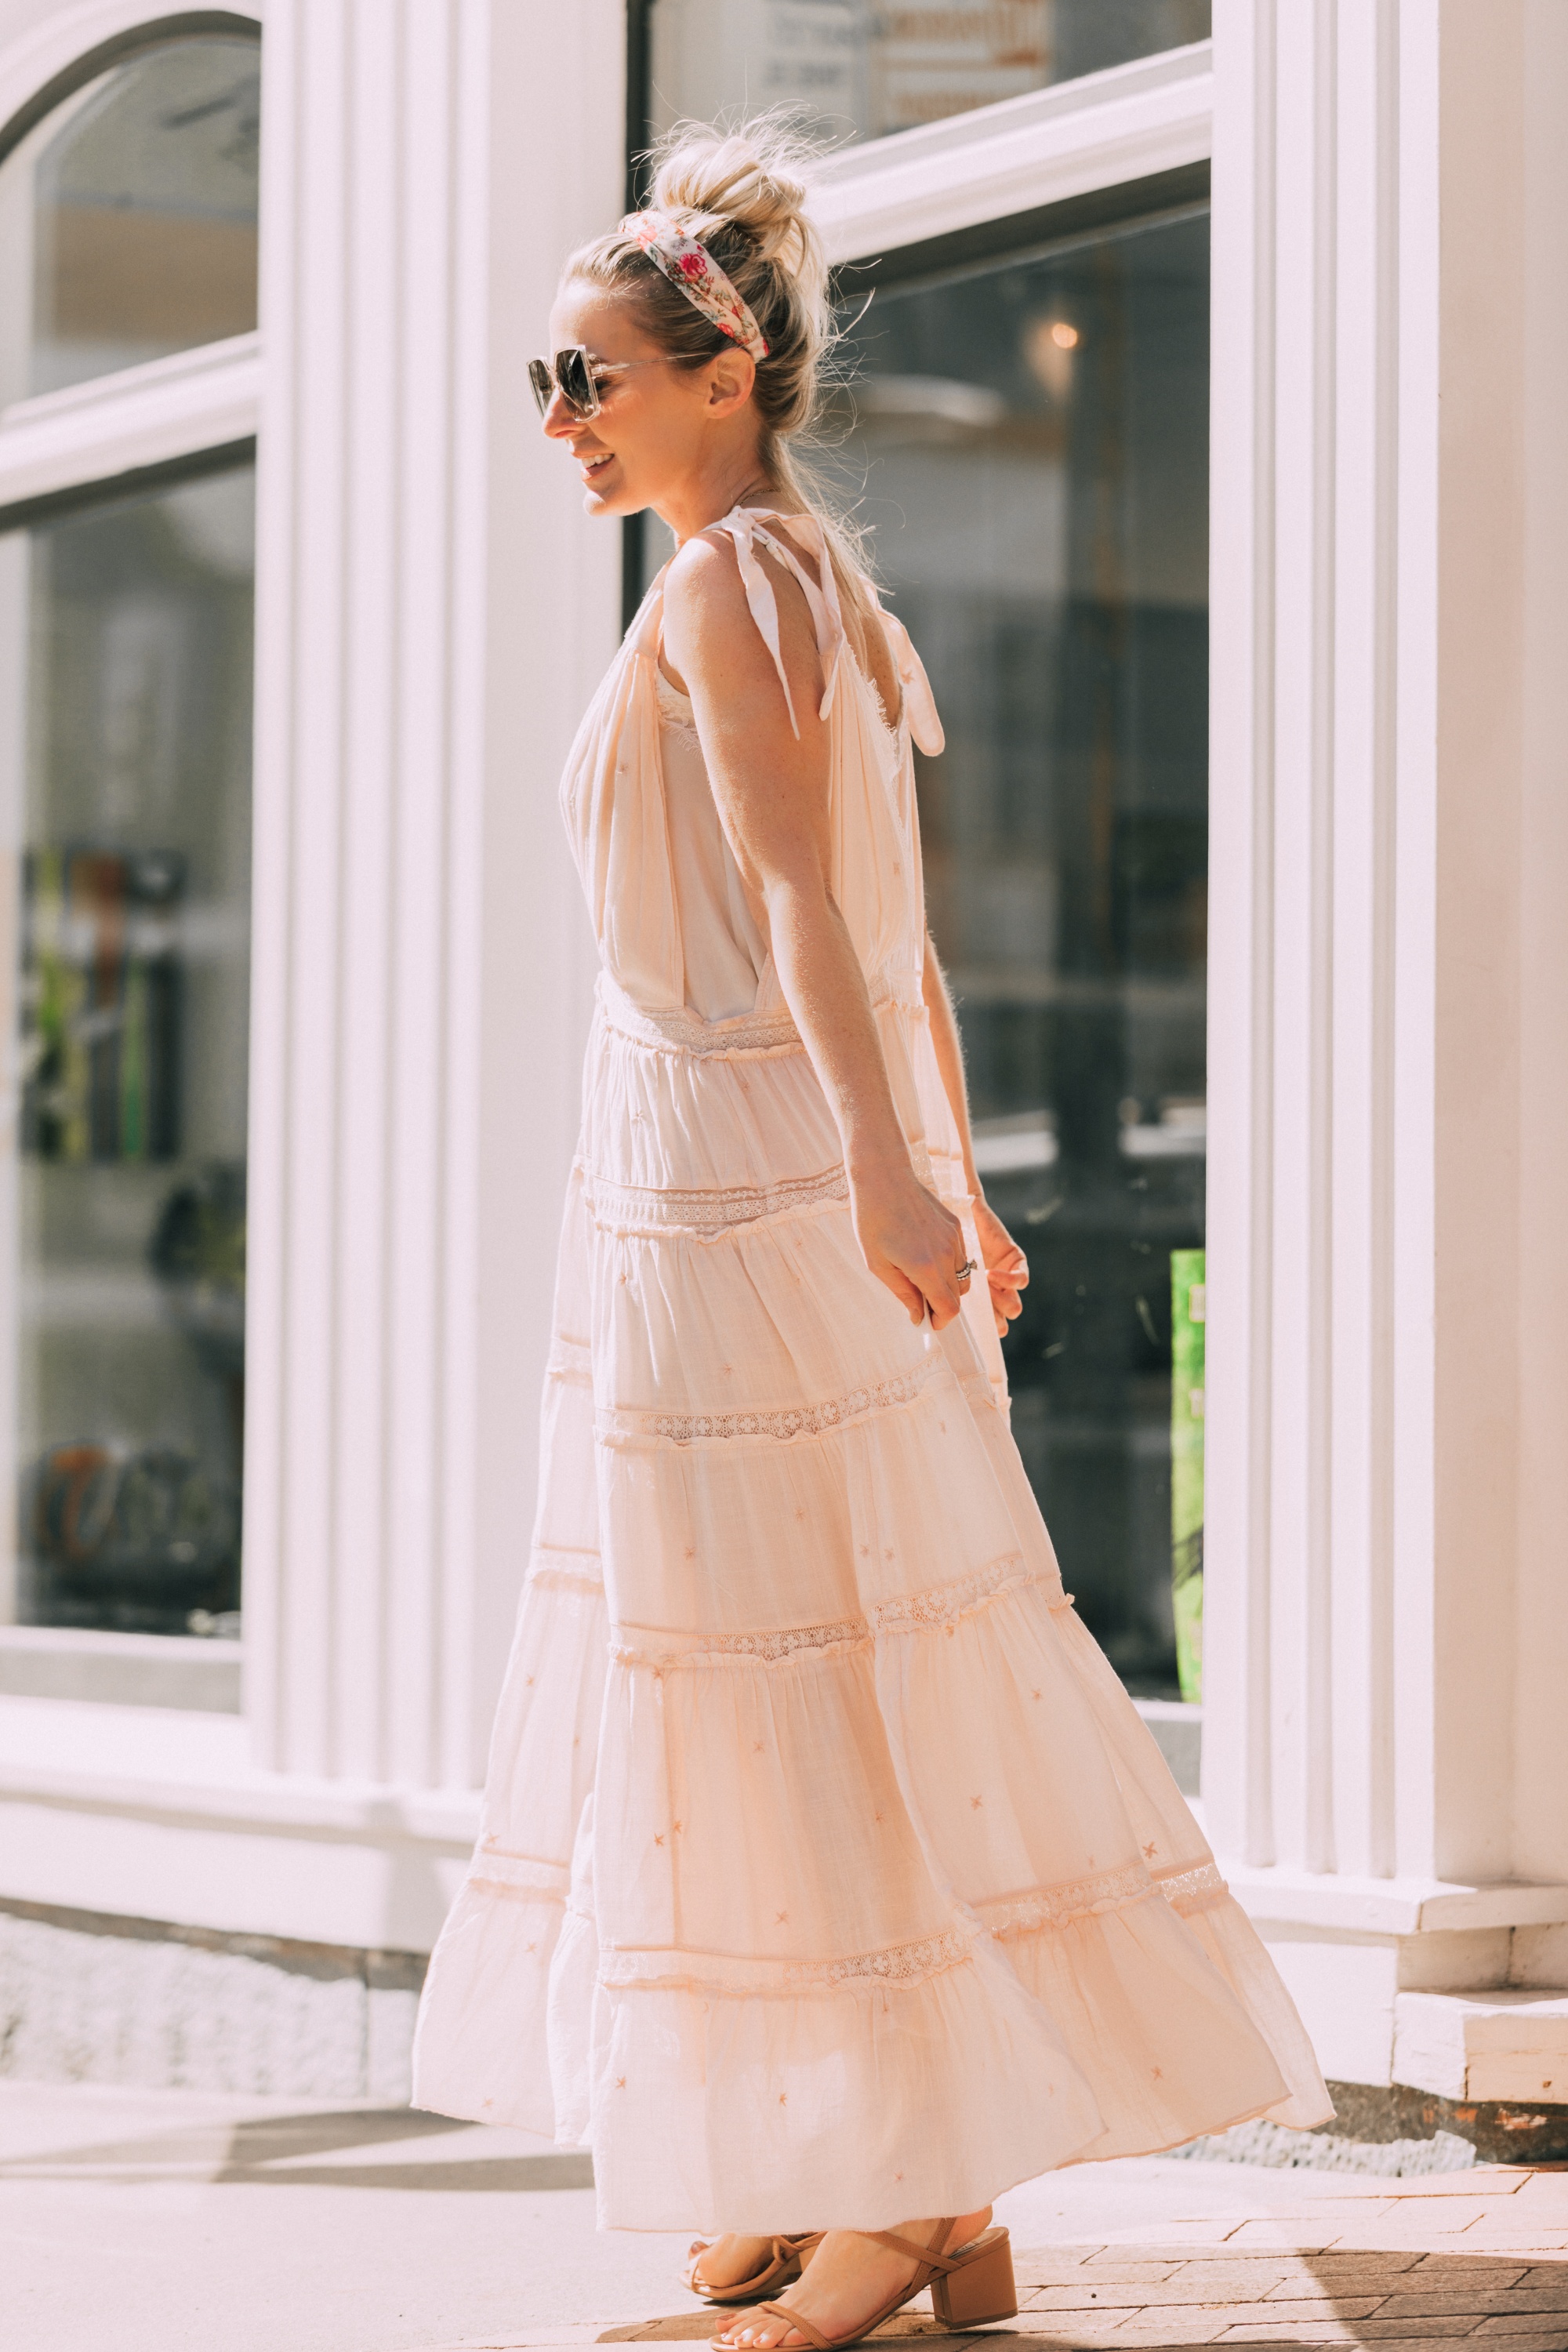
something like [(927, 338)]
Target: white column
[(1385, 1505), (1385, 974), (433, 613)]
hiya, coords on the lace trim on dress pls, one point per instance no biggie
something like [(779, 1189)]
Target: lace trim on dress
[(795, 1420), (1194, 1890), (640, 1208), (517, 1877), (677, 1031), (675, 709), (768, 1648), (748, 1980), (944, 1606), (1079, 1899), (684, 1032), (565, 1579), (570, 1360), (1075, 1899)]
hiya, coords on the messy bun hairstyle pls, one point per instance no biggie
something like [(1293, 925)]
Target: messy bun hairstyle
[(742, 194)]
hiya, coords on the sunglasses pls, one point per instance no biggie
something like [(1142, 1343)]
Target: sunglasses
[(579, 379)]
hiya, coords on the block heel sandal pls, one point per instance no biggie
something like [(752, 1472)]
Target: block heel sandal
[(969, 2289), (789, 2258)]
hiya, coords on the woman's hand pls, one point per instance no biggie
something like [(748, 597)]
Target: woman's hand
[(909, 1242), (1006, 1267)]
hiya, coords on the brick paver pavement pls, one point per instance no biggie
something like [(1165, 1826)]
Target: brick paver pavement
[(1478, 2257)]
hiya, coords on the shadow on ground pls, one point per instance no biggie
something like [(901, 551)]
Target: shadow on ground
[(266, 2151)]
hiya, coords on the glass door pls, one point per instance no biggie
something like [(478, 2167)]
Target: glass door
[(1026, 443), (129, 621)]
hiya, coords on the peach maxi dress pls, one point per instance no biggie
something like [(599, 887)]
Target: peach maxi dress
[(827, 1874)]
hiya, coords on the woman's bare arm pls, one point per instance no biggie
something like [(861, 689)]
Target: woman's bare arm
[(771, 794), (1006, 1267)]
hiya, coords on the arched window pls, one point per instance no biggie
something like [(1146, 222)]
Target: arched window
[(127, 216), (128, 229)]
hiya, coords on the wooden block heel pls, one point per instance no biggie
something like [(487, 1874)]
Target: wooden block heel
[(969, 2289), (979, 2288)]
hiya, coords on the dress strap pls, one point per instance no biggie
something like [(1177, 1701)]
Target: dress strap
[(747, 527)]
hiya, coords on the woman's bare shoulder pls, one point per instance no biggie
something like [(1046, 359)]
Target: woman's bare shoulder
[(708, 613)]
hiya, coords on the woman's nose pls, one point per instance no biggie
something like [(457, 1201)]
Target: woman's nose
[(558, 418)]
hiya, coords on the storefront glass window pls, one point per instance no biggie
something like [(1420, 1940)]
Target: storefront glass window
[(125, 648), (1029, 444), (128, 217), (859, 69)]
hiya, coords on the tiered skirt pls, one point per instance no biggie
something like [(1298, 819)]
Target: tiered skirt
[(827, 1874)]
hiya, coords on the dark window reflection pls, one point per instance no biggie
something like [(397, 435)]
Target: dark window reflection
[(130, 623), (1030, 444)]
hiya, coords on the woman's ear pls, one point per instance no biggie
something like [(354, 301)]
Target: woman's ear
[(730, 381)]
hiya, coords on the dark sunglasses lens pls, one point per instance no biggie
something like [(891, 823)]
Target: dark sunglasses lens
[(575, 378), (541, 382)]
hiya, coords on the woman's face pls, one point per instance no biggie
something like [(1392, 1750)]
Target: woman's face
[(656, 430)]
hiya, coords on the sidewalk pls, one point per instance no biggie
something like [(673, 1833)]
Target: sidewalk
[(138, 2221)]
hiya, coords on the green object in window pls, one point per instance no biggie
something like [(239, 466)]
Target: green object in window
[(1188, 1308)]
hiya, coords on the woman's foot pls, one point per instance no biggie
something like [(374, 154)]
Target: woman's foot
[(851, 2277), (729, 2259)]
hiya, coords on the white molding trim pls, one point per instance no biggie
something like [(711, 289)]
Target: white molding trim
[(118, 1761), (30, 63), (139, 416), (160, 1815), (1154, 115), (1390, 1906), (121, 1669)]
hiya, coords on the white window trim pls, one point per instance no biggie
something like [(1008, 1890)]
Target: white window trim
[(148, 415), (31, 63), (1128, 123), (84, 435)]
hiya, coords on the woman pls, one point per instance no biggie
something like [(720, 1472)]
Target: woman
[(828, 1878)]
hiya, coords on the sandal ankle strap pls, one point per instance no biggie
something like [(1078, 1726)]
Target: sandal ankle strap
[(919, 2253)]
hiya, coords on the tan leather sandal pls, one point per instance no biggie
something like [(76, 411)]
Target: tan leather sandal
[(969, 2289), (790, 2257)]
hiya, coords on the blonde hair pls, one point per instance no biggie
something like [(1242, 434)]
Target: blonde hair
[(742, 194)]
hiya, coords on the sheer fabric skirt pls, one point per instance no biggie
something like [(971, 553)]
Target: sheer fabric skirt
[(827, 1875)]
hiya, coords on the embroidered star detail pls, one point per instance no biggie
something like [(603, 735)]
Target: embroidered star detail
[(865, 1552), (679, 1826), (659, 1837), (756, 1747), (620, 2082), (781, 1918), (887, 1555), (976, 1803), (1158, 2072), (532, 1948), (1033, 1694), (876, 1817), (1149, 1851), (800, 1514), (691, 1551), (528, 1681), (784, 2098)]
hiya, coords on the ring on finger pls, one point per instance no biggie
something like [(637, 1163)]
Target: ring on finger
[(965, 1270)]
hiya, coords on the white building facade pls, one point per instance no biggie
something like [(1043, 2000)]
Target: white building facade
[(228, 1835)]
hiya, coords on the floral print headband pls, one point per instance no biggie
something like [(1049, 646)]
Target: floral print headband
[(692, 268)]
